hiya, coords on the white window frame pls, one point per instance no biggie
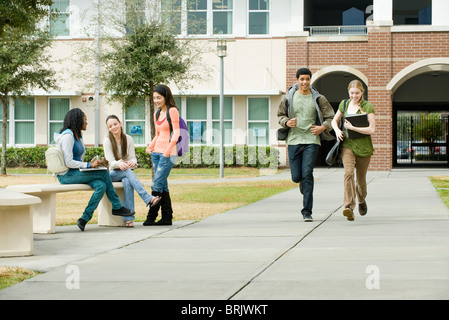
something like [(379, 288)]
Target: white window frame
[(49, 138), (69, 22), (211, 19), (207, 11), (224, 120), (209, 120), (209, 16), (125, 120), (13, 121), (268, 121), (269, 20)]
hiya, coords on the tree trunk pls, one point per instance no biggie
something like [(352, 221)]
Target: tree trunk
[(4, 131)]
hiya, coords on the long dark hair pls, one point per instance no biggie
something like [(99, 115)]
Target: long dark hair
[(74, 120), (165, 91), (123, 140)]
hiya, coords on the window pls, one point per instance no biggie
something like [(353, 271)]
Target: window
[(412, 12), (24, 121), (258, 121), (60, 26), (197, 16), (58, 108), (135, 15), (172, 13), (196, 112), (227, 120), (258, 17), (202, 116), (135, 122), (222, 16)]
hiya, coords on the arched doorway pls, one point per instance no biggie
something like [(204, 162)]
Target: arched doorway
[(420, 99), (333, 82)]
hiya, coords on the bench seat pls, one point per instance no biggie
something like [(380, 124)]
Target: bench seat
[(16, 223), (44, 214)]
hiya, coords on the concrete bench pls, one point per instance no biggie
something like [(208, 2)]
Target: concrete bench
[(16, 223), (44, 214)]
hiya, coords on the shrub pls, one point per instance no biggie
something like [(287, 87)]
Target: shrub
[(198, 156)]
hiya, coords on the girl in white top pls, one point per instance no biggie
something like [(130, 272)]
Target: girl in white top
[(119, 151)]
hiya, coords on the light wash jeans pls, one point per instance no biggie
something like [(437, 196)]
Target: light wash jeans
[(130, 183), (162, 168), (100, 181)]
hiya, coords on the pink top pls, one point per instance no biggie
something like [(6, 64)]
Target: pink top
[(161, 142)]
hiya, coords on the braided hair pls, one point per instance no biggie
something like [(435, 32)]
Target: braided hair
[(74, 120)]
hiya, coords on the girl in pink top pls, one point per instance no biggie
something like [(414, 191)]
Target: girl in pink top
[(163, 153)]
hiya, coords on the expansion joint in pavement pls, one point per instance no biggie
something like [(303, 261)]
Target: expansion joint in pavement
[(284, 253)]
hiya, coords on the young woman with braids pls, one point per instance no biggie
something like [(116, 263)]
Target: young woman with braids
[(70, 140)]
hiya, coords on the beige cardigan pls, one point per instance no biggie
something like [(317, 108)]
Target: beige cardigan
[(109, 155)]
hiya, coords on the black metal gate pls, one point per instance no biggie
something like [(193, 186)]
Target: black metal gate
[(421, 139)]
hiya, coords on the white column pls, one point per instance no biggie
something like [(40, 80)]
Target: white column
[(296, 27), (383, 12), (440, 8)]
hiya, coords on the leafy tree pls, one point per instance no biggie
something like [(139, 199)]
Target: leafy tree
[(22, 14), (146, 54), (23, 65)]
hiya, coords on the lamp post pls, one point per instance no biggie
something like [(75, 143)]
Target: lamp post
[(221, 52)]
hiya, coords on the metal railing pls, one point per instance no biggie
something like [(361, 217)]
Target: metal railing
[(422, 139), (337, 30)]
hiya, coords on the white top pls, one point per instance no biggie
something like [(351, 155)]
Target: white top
[(109, 155)]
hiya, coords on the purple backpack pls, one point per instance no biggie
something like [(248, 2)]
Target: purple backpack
[(182, 146)]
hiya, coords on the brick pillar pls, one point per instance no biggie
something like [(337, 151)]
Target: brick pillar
[(379, 75), (297, 57)]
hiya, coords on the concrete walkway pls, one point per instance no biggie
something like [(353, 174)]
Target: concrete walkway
[(264, 251)]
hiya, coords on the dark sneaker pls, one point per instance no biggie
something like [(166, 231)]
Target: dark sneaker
[(124, 212), (308, 218), (347, 212), (363, 208)]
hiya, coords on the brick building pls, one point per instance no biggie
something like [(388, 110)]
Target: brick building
[(401, 57)]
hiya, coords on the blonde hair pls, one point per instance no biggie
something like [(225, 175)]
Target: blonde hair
[(357, 84)]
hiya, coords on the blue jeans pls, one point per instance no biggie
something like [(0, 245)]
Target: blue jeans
[(162, 168), (100, 181), (302, 159), (130, 183)]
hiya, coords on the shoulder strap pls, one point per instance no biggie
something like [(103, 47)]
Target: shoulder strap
[(344, 115)]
